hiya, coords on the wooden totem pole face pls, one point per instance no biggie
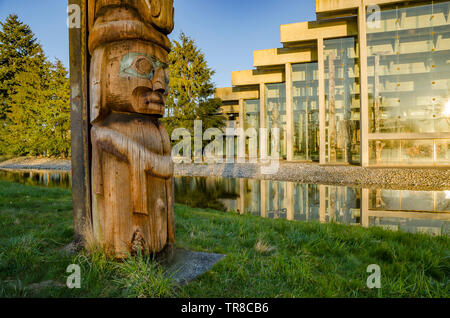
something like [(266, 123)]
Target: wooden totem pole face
[(132, 169)]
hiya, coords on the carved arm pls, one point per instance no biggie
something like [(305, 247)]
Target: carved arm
[(140, 159)]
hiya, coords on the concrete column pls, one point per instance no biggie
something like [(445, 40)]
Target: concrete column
[(322, 109), (241, 113), (364, 85), (289, 111), (262, 105)]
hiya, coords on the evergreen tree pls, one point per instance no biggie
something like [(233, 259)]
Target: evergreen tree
[(18, 47), (34, 95), (190, 89), (58, 111), (26, 120)]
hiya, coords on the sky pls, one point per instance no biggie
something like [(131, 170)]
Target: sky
[(227, 31)]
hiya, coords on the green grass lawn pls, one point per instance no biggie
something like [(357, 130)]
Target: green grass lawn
[(265, 258)]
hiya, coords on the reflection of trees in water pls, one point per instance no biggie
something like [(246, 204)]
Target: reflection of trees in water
[(34, 178), (205, 193)]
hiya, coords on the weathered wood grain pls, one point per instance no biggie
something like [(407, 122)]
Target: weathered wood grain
[(132, 169)]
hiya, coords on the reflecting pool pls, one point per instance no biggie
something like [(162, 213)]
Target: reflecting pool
[(406, 210), (51, 179)]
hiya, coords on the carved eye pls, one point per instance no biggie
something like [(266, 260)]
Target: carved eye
[(143, 66), (137, 65), (140, 65)]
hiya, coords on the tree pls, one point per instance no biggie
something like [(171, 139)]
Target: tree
[(39, 118), (18, 47), (190, 89), (34, 95), (25, 125), (58, 111)]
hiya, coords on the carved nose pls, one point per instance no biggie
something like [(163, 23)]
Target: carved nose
[(159, 81)]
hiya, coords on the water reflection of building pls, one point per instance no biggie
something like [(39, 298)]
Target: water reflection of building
[(49, 179), (413, 211), (351, 89)]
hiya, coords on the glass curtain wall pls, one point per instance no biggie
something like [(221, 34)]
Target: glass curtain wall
[(276, 114), (409, 85), (251, 119), (342, 96), (305, 108)]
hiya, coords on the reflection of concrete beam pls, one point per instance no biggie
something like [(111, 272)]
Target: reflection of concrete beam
[(444, 216)]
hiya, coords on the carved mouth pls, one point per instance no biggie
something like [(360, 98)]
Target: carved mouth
[(154, 98), (148, 102)]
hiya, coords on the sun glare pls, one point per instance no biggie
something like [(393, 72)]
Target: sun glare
[(446, 112)]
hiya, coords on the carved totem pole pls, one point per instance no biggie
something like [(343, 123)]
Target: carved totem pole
[(131, 166)]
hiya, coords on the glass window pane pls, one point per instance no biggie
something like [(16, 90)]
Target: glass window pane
[(342, 97), (305, 108), (251, 120), (409, 80), (276, 114)]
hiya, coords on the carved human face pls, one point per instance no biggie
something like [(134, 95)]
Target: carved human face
[(137, 77)]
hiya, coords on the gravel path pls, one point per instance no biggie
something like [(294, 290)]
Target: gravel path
[(390, 178), (30, 163)]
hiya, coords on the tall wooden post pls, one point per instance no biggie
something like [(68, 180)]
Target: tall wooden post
[(130, 166), (79, 78)]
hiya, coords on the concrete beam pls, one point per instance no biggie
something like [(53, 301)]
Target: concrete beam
[(236, 93), (310, 31), (282, 56), (256, 77), (227, 109), (329, 6)]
